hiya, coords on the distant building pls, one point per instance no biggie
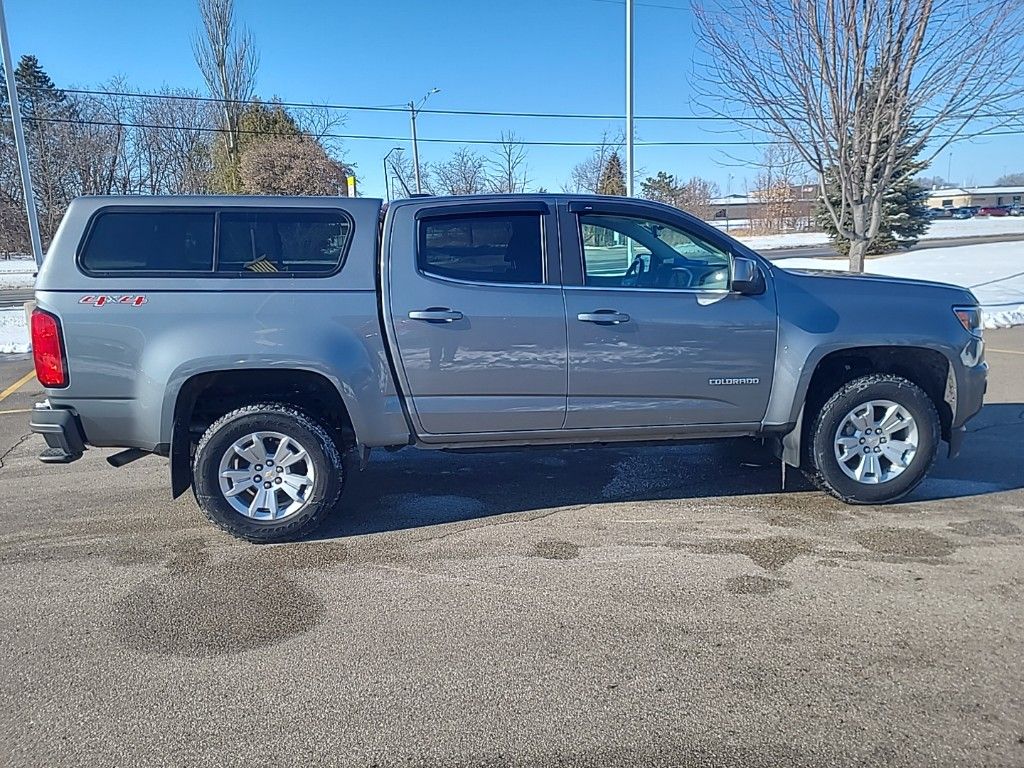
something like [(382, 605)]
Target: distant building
[(798, 203), (961, 197)]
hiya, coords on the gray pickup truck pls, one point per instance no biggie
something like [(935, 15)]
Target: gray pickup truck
[(262, 343)]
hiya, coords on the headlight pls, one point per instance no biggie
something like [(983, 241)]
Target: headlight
[(970, 319)]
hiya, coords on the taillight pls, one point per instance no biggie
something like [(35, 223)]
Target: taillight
[(48, 350)]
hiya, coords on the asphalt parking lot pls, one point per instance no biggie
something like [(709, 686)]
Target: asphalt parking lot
[(655, 606)]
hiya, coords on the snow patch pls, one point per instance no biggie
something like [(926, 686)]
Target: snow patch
[(13, 332), (941, 229), (17, 272)]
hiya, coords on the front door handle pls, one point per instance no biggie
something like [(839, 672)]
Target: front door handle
[(436, 315), (603, 317)]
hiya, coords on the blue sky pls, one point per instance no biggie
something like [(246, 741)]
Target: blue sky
[(528, 55)]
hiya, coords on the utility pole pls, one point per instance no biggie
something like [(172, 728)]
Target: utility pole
[(629, 98), (414, 108), (19, 143), (387, 186)]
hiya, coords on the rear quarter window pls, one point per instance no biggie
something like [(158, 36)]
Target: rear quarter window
[(149, 241), (282, 242)]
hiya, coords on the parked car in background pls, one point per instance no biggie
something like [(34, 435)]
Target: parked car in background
[(1016, 210), (963, 213), (940, 213), (994, 210)]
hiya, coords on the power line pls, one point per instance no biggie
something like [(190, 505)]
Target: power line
[(395, 108), (371, 137), (402, 109)]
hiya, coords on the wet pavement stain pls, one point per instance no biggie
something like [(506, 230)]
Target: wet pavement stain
[(771, 553), (199, 608), (988, 527), (754, 585), (906, 542), (555, 550)]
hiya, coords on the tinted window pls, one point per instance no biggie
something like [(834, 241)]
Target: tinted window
[(288, 242), (150, 241), (492, 248), (628, 252)]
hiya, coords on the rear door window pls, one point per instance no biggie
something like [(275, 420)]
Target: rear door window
[(150, 241), (287, 242), (488, 248)]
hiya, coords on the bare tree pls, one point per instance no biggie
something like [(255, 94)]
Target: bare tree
[(695, 196), (585, 176), (778, 189), (402, 178), (853, 83), (228, 60), (464, 173), (508, 172)]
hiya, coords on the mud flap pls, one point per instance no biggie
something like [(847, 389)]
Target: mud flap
[(181, 461)]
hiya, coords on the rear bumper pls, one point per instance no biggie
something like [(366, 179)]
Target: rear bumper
[(59, 428)]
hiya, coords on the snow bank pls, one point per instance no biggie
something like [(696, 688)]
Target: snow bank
[(993, 271), (13, 331), (17, 272), (940, 229)]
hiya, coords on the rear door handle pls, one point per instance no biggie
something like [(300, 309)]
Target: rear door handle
[(436, 315), (603, 317)]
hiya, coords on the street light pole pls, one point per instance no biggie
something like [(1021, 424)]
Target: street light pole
[(413, 109), (19, 143), (629, 98), (387, 186)]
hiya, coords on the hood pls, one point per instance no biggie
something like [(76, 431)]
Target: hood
[(867, 281)]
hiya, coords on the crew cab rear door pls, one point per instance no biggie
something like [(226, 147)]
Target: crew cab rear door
[(656, 337), (474, 303)]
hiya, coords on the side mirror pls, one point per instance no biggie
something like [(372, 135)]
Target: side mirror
[(746, 277)]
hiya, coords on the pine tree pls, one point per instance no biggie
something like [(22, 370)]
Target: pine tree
[(662, 188), (257, 123), (613, 180), (904, 212)]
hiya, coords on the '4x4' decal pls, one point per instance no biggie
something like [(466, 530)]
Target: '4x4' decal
[(103, 300)]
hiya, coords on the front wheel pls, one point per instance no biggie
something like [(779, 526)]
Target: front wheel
[(267, 473), (873, 441)]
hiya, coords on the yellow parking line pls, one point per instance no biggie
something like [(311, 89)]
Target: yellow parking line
[(16, 410), (17, 385), (990, 349)]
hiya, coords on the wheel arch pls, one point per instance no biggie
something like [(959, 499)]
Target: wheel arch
[(203, 397), (926, 367)]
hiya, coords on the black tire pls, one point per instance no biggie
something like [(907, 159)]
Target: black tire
[(320, 447), (821, 465)]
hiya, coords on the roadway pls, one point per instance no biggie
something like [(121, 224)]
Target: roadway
[(663, 606)]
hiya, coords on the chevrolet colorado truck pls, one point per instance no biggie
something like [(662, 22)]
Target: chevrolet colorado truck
[(260, 343)]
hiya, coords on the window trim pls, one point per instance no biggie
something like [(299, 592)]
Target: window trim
[(484, 210), (216, 210), (624, 212)]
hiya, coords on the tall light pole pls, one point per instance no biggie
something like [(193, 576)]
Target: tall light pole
[(19, 143), (629, 98), (413, 109), (387, 186)]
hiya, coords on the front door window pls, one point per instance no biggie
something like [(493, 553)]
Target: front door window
[(629, 252)]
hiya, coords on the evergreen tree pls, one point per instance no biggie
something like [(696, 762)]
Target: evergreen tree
[(904, 211), (613, 180), (257, 123), (662, 188)]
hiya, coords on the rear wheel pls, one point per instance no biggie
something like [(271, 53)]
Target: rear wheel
[(267, 473), (873, 441)]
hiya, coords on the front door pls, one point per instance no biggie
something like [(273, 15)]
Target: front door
[(479, 321), (656, 338)]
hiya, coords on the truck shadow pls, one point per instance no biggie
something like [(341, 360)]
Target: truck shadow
[(411, 489)]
